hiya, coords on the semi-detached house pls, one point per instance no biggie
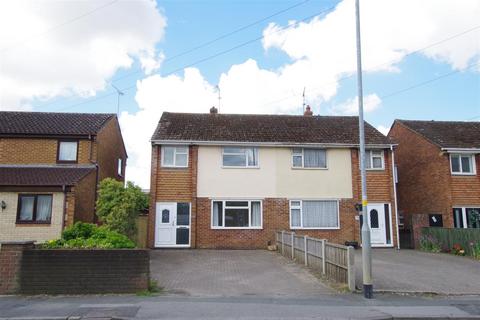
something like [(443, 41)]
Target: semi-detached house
[(50, 166), (232, 180)]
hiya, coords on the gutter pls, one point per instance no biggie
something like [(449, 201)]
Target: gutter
[(268, 144), (395, 197), (461, 150)]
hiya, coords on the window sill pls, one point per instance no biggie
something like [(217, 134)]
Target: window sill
[(464, 174), (236, 228), (314, 228), (174, 167), (27, 223), (241, 167), (302, 168), (375, 169)]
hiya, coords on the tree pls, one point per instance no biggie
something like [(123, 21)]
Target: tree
[(118, 206)]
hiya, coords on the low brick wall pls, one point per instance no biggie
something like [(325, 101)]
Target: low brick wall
[(60, 271)]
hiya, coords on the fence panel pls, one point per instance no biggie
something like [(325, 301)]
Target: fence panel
[(335, 261)]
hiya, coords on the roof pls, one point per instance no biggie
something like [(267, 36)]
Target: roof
[(51, 123), (11, 175), (206, 127), (447, 134)]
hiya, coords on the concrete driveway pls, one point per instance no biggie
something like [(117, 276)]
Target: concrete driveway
[(417, 271), (232, 273)]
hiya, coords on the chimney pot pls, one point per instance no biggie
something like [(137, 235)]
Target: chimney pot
[(213, 110), (308, 112)]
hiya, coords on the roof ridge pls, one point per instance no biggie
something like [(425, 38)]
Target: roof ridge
[(55, 112), (260, 114)]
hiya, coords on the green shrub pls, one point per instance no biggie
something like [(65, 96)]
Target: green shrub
[(429, 243), (454, 240), (90, 236)]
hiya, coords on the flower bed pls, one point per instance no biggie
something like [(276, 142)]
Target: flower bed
[(462, 242)]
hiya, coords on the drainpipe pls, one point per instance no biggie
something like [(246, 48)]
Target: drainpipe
[(395, 196)]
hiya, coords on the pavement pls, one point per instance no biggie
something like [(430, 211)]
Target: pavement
[(233, 273), (408, 270)]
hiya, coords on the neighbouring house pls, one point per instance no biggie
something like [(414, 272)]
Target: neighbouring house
[(438, 184), (232, 180), (50, 166)]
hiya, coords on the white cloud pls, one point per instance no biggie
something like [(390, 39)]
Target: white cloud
[(150, 61), (383, 129), (40, 60), (322, 51), (371, 102)]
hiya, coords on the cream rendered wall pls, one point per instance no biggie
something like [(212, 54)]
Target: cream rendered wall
[(9, 231), (275, 177)]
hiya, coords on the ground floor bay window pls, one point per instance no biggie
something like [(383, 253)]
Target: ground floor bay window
[(314, 214), (466, 217), (236, 214)]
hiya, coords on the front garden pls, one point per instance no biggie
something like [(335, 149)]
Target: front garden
[(457, 241)]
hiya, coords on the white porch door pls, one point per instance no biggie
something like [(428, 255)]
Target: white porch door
[(165, 224), (376, 218)]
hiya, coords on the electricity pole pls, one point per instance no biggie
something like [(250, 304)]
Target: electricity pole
[(366, 243)]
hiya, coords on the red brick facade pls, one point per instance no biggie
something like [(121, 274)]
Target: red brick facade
[(179, 185), (426, 185)]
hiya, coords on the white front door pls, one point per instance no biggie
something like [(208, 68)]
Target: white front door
[(165, 227), (376, 219), (172, 224)]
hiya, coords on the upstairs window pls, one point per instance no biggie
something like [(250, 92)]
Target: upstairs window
[(374, 160), (175, 156), (309, 158), (67, 151), (120, 167), (34, 208), (239, 157), (462, 164)]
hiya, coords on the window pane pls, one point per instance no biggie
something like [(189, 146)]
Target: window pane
[(297, 161), (374, 219), (183, 214), (44, 208), (295, 217), (236, 204), (181, 160), (119, 166), (168, 155), (295, 204), (297, 151), (455, 163), (320, 214), (234, 160), (217, 214), (473, 217), (236, 217), (256, 220), (252, 157), (183, 235), (457, 218), (181, 149), (466, 164), (368, 162), (67, 151), (314, 158), (26, 208), (377, 163), (165, 216), (233, 150)]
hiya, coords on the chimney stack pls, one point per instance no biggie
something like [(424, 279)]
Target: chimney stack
[(308, 112), (213, 110)]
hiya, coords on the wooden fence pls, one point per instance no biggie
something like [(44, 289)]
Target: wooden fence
[(336, 262)]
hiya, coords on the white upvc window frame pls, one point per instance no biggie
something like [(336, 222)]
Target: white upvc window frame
[(296, 154), (246, 166), (464, 214), (175, 152), (472, 164), (224, 201), (301, 227), (370, 155)]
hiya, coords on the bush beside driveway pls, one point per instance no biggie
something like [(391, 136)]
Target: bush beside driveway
[(417, 271)]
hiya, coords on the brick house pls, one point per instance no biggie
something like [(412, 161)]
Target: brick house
[(50, 166), (438, 184), (231, 181)]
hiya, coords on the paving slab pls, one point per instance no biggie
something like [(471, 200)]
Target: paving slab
[(233, 273), (409, 270)]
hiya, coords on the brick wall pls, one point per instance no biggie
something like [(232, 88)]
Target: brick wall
[(11, 254), (84, 271), (173, 185), (37, 151), (85, 195), (424, 179), (109, 149)]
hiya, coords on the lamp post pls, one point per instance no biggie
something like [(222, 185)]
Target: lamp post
[(366, 241)]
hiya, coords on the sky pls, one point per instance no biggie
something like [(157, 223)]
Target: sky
[(421, 60)]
